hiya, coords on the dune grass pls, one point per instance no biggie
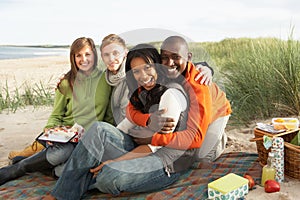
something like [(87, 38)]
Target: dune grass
[(36, 95), (260, 76)]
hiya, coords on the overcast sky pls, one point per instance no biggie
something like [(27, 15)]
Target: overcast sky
[(26, 22)]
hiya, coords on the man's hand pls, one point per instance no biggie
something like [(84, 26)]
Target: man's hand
[(205, 73), (154, 122), (161, 124), (96, 170), (167, 125)]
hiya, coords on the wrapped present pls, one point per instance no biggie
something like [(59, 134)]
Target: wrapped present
[(230, 186)]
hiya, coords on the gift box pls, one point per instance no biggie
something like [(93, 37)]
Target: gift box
[(230, 186)]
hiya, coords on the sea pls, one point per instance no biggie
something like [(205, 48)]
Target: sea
[(15, 52)]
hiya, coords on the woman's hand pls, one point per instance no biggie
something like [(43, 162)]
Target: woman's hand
[(49, 143), (96, 170)]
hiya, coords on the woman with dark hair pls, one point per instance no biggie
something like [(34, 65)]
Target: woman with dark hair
[(147, 98), (113, 151), (80, 97)]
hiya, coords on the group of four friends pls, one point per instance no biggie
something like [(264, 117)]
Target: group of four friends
[(148, 117)]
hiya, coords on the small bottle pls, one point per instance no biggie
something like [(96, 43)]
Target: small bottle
[(268, 172)]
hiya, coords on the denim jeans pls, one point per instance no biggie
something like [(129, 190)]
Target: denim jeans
[(57, 154), (104, 142), (137, 175)]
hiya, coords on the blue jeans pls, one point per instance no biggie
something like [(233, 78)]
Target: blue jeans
[(137, 175), (57, 154), (104, 142)]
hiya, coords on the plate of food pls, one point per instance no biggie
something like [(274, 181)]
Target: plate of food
[(62, 134), (285, 123)]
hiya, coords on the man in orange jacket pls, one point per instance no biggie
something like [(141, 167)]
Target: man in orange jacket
[(208, 113)]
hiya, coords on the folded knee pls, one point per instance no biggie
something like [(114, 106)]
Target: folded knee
[(111, 180)]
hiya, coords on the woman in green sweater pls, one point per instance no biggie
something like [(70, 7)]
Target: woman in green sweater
[(82, 97)]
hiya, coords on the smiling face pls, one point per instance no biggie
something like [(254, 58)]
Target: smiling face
[(174, 55), (85, 60), (144, 73), (113, 55)]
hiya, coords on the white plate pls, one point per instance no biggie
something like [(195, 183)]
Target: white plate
[(57, 136)]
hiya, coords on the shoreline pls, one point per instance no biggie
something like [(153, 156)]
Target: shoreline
[(8, 52)]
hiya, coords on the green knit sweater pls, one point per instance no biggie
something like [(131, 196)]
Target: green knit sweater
[(89, 101)]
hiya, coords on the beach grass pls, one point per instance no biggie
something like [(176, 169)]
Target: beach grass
[(35, 95), (260, 76)]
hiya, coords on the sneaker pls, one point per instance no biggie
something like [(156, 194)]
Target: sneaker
[(28, 151)]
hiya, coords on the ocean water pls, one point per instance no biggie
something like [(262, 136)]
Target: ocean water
[(13, 52)]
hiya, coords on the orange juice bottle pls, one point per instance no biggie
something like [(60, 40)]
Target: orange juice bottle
[(268, 172)]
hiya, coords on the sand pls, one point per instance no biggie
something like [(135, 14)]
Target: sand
[(19, 129), (17, 73)]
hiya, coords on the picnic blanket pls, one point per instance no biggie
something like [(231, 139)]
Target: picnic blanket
[(191, 185)]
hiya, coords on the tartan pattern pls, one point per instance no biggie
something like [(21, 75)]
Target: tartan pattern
[(191, 185)]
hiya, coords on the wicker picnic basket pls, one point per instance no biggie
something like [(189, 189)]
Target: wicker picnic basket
[(291, 152)]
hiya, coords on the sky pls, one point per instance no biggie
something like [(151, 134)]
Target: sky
[(60, 22)]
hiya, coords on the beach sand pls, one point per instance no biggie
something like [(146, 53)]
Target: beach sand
[(19, 129), (17, 73)]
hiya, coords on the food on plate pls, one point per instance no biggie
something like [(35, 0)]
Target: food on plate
[(61, 131), (279, 120), (292, 120), (63, 134), (285, 123)]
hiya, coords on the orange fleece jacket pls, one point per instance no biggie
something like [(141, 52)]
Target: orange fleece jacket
[(207, 103)]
